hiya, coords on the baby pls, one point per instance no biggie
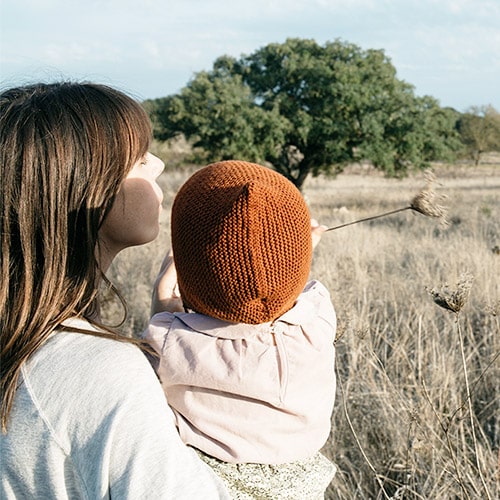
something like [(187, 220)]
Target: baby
[(246, 352)]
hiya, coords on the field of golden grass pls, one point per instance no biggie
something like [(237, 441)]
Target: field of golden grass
[(417, 414)]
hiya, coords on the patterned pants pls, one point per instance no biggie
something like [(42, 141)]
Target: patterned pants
[(301, 480)]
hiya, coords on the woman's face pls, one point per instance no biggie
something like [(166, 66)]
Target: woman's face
[(134, 216)]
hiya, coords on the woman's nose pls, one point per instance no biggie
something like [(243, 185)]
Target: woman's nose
[(157, 165)]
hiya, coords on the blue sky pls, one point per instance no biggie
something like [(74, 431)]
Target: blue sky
[(449, 49)]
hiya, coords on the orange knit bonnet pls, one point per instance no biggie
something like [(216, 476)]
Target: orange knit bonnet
[(241, 237)]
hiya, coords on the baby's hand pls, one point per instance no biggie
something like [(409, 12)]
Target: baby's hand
[(317, 231), (166, 295)]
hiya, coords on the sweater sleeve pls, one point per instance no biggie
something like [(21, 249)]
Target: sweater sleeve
[(147, 458), (94, 420)]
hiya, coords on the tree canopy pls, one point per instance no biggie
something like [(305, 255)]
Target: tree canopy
[(479, 129), (306, 108)]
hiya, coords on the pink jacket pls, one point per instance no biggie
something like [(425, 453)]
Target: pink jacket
[(251, 393)]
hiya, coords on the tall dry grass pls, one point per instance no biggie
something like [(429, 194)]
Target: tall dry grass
[(417, 413)]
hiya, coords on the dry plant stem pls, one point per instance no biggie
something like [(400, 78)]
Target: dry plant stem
[(426, 202), (370, 218), (407, 459), (351, 427), (469, 401), (481, 376), (454, 300), (446, 428)]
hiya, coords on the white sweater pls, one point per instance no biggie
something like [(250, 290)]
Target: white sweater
[(90, 421)]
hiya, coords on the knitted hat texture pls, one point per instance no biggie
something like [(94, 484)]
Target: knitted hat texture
[(241, 237)]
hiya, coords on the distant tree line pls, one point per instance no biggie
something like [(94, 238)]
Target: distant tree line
[(306, 108), (479, 130)]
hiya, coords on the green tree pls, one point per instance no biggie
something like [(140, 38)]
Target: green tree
[(308, 109), (219, 112), (479, 130)]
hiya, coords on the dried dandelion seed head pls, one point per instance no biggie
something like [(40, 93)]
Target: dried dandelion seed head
[(493, 309), (350, 324), (453, 299), (428, 202)]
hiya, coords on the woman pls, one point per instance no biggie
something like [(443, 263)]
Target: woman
[(82, 413)]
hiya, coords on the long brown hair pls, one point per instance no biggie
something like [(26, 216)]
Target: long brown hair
[(65, 149)]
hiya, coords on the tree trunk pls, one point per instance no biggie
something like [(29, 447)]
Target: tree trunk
[(477, 157)]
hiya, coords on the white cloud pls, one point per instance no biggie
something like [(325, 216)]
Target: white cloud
[(483, 8), (153, 41), (468, 46), (76, 52)]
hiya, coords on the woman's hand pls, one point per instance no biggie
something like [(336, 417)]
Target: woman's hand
[(317, 231), (166, 295)]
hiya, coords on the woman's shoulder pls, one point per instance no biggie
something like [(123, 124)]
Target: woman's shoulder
[(93, 374), (75, 358), (88, 344)]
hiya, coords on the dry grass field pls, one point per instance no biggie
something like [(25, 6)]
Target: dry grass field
[(417, 413)]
